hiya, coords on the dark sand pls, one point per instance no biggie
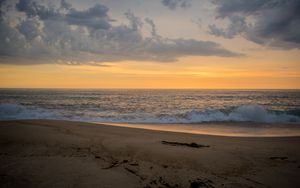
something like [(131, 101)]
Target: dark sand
[(42, 153)]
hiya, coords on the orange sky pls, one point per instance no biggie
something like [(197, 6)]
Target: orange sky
[(276, 70), (205, 48)]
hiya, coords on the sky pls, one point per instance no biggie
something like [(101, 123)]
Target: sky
[(201, 44)]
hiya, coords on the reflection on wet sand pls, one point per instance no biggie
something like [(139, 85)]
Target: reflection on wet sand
[(224, 129)]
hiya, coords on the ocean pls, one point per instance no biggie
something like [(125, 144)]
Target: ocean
[(152, 106)]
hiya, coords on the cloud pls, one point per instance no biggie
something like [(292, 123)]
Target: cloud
[(30, 28), (274, 23), (237, 26), (153, 27), (95, 17), (33, 8), (64, 4), (58, 32), (173, 4)]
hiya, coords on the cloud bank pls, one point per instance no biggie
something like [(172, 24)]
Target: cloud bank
[(173, 4), (274, 23), (56, 31)]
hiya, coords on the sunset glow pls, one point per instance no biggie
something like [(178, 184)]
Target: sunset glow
[(159, 44)]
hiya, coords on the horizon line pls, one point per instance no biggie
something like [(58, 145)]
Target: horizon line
[(78, 88)]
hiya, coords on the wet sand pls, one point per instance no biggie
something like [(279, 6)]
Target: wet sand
[(240, 129), (43, 153)]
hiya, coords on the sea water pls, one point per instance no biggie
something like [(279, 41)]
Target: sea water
[(152, 106)]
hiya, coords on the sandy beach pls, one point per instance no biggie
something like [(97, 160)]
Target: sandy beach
[(44, 153)]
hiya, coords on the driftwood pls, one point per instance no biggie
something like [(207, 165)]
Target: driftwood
[(192, 145), (280, 158)]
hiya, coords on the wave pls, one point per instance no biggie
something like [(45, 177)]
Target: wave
[(16, 112), (246, 113)]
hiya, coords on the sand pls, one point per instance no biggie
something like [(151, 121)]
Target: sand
[(43, 153)]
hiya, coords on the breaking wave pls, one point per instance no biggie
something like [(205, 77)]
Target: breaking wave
[(16, 112), (246, 113), (249, 113)]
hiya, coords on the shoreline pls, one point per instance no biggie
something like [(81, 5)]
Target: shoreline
[(226, 129), (52, 153), (230, 129)]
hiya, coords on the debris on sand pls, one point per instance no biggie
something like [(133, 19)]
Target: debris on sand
[(278, 158), (192, 145), (201, 183)]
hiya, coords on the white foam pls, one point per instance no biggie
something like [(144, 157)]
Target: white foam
[(15, 111), (247, 113)]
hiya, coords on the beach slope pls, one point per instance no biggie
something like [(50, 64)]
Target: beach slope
[(44, 153)]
